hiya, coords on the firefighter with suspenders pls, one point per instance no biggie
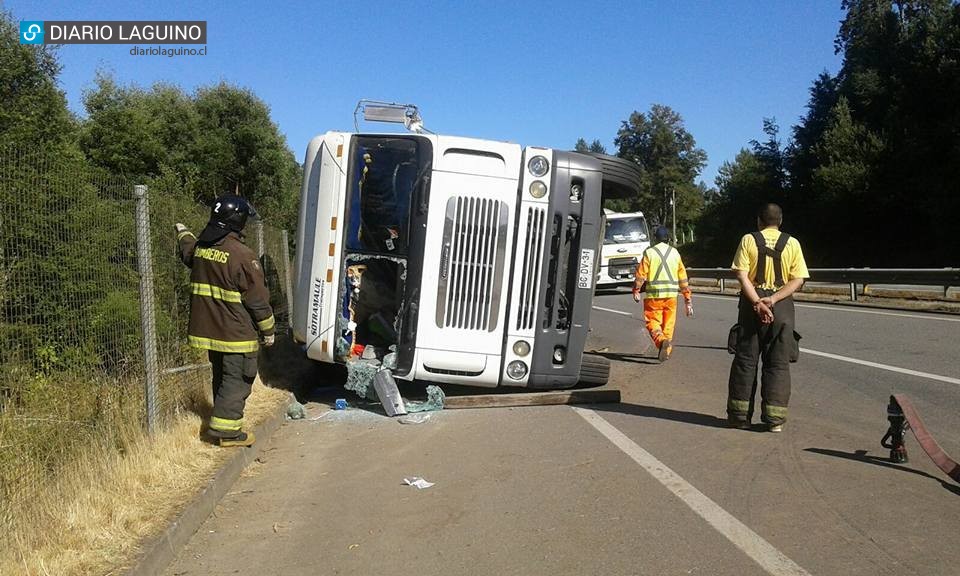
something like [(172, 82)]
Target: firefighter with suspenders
[(662, 276), (770, 267), (230, 313)]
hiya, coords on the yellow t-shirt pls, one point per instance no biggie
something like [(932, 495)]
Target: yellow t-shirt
[(791, 261)]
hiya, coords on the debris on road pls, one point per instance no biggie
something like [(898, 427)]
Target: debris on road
[(434, 401), (414, 418), (360, 374), (296, 411), (388, 393), (417, 482)]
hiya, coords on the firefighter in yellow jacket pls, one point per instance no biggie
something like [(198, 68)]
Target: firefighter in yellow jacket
[(662, 276), (230, 313)]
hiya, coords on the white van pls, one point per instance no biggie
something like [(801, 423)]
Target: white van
[(625, 238)]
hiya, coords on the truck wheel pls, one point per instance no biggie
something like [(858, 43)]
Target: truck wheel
[(621, 178), (594, 369)]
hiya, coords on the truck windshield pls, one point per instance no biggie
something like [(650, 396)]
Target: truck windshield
[(386, 173), (382, 263), (625, 230)]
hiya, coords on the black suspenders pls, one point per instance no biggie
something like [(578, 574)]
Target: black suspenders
[(775, 253)]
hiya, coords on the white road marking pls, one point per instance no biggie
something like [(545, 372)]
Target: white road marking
[(947, 379), (938, 377), (847, 309), (754, 546), (613, 311)]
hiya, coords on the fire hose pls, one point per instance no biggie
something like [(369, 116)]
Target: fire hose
[(903, 416)]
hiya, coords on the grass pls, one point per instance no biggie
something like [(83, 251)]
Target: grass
[(109, 490)]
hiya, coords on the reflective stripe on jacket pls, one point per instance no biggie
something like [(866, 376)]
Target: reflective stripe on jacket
[(666, 276), (229, 302)]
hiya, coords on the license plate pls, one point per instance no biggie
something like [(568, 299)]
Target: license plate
[(585, 275)]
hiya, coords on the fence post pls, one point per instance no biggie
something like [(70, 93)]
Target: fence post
[(260, 250), (287, 277), (147, 320)]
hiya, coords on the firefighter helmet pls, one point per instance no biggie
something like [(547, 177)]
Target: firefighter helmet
[(230, 212)]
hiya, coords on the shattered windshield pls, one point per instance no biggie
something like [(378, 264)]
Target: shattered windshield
[(385, 176), (385, 218), (626, 230)]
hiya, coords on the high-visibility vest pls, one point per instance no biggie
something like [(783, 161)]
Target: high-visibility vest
[(662, 279)]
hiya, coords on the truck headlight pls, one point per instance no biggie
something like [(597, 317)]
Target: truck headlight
[(521, 348), (516, 370), (538, 189), (538, 166)]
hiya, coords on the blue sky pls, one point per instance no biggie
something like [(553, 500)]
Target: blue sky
[(537, 73)]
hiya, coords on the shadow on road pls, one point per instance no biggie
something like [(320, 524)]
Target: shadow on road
[(627, 357), (609, 291), (862, 456), (664, 414), (700, 347)]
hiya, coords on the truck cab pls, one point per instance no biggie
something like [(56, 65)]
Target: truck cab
[(471, 261), (625, 237)]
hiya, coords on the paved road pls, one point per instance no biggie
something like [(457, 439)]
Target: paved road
[(654, 485)]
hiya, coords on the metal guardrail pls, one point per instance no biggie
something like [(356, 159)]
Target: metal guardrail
[(942, 277)]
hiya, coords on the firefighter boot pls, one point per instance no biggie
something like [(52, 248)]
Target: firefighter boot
[(243, 439)]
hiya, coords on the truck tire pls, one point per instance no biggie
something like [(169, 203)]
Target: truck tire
[(594, 369), (621, 178)]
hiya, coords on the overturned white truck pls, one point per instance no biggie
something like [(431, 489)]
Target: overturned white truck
[(474, 261)]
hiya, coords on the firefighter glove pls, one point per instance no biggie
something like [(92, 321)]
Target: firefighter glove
[(267, 341), (180, 228)]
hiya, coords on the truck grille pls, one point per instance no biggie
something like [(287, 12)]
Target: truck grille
[(471, 263), (530, 274)]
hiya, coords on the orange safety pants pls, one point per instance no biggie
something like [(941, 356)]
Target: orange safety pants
[(661, 315)]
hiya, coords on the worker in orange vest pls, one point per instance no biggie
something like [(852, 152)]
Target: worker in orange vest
[(662, 276)]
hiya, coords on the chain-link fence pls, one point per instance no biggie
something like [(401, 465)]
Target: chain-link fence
[(85, 354)]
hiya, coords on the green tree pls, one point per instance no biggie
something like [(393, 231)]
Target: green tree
[(140, 132), (846, 156), (32, 108), (801, 159), (888, 158), (670, 161), (243, 150), (596, 146), (772, 158), (220, 139)]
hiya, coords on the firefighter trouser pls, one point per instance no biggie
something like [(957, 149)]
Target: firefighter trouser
[(233, 376), (660, 315), (771, 343)]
